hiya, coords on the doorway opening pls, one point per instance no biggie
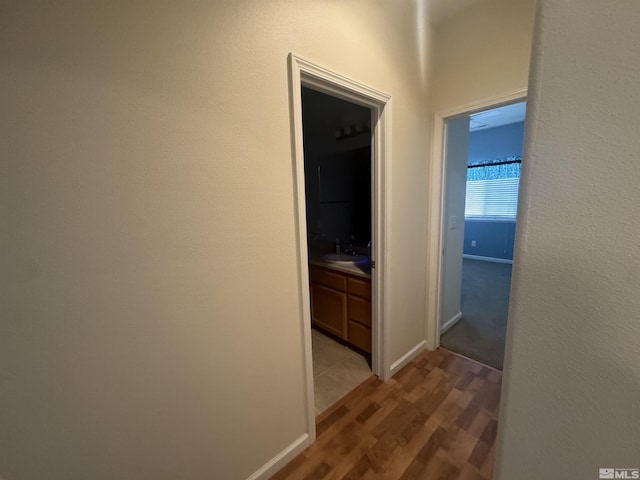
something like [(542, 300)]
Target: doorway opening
[(337, 163), (483, 155), (329, 287)]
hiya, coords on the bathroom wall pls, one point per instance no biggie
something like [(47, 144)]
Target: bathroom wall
[(337, 171), (343, 201)]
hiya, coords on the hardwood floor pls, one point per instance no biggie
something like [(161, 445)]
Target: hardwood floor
[(436, 419)]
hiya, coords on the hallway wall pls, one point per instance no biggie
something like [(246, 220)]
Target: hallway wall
[(572, 368), (482, 52), (148, 234)]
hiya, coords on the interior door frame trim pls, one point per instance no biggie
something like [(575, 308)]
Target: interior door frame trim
[(305, 73), (437, 202)]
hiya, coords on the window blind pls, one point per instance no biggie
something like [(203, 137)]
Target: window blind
[(492, 191)]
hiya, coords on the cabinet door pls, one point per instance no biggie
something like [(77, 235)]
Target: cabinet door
[(335, 280), (329, 310), (360, 287), (359, 310), (360, 336)]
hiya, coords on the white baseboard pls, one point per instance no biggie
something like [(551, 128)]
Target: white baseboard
[(281, 459), (450, 323), (487, 259), (407, 357)]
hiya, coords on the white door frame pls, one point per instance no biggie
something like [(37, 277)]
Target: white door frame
[(436, 200), (305, 73)]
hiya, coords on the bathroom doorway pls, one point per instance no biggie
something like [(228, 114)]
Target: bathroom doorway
[(337, 163), (304, 74)]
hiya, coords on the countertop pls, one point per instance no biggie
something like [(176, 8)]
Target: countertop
[(363, 271)]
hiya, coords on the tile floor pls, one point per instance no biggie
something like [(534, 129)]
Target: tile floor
[(336, 370)]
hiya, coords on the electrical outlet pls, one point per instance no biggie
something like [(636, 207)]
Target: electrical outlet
[(453, 222), (473, 243)]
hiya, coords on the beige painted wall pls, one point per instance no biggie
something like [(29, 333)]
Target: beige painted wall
[(572, 369), (481, 52), (150, 317)]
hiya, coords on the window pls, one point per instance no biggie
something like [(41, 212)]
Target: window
[(492, 190)]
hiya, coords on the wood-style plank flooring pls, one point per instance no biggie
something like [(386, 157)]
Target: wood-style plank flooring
[(436, 419)]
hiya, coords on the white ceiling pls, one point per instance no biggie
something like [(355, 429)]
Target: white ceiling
[(440, 10), (497, 117)]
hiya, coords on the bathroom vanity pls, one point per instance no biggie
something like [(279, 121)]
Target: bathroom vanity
[(341, 301)]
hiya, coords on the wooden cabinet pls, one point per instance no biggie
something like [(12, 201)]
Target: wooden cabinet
[(359, 336), (341, 305), (360, 287), (329, 310), (328, 278)]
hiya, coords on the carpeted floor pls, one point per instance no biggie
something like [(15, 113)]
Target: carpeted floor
[(480, 334)]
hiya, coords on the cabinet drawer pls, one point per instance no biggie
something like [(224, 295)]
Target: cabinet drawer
[(360, 336), (329, 310), (359, 310), (328, 279), (360, 287)]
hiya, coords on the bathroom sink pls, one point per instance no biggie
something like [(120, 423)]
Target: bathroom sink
[(343, 259)]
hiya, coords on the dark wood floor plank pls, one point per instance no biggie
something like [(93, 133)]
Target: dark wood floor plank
[(479, 454), (359, 469), (470, 473), (436, 419), (489, 433), (319, 472), (367, 413), (407, 454), (354, 462), (479, 423)]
